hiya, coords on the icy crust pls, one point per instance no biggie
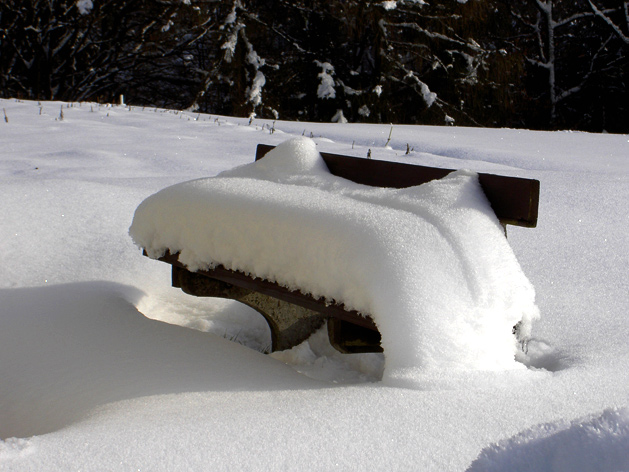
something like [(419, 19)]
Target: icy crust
[(429, 263)]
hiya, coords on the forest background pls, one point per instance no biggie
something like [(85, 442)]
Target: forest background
[(537, 64)]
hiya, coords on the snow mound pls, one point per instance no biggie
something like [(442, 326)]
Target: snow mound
[(67, 349), (597, 444), (429, 263)]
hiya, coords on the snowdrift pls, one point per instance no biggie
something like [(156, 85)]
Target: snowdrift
[(598, 443), (67, 349), (429, 263)]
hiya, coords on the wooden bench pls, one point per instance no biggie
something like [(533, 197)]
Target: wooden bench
[(293, 316)]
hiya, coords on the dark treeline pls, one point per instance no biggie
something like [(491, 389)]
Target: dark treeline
[(540, 64)]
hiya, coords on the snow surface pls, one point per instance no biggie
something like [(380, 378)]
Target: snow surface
[(100, 371), (429, 263)]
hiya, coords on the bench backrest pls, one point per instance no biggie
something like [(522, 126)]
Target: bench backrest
[(514, 200)]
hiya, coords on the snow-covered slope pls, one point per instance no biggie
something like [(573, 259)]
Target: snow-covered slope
[(87, 382)]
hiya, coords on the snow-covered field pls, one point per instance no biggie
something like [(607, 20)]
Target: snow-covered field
[(99, 369)]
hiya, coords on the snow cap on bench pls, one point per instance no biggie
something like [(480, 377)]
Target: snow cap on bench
[(429, 263)]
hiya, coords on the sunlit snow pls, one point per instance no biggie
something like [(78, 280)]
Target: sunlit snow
[(104, 366)]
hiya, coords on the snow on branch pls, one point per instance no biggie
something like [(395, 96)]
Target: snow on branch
[(229, 46), (326, 86), (428, 96), (545, 6), (608, 20), (259, 80), (84, 6), (255, 91), (431, 34)]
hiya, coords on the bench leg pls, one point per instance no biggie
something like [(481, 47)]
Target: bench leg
[(290, 324), (349, 338)]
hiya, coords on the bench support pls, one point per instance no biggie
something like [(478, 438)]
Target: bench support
[(292, 316), (290, 324)]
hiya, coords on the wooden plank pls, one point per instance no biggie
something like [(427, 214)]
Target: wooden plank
[(514, 200), (272, 289)]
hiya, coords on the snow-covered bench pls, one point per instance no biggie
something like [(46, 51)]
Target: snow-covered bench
[(292, 311)]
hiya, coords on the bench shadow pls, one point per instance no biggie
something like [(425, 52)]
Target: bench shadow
[(67, 349)]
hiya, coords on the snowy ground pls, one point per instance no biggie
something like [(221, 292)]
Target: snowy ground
[(92, 378)]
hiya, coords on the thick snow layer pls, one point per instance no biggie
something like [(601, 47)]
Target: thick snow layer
[(429, 263), (89, 383), (597, 444)]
